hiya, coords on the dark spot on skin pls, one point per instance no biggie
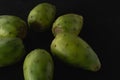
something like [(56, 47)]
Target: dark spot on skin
[(87, 55), (40, 19), (77, 44), (31, 16), (25, 68), (31, 71), (37, 61), (88, 47), (74, 29), (48, 77), (65, 22), (10, 32), (55, 45), (64, 35), (66, 44), (7, 22)]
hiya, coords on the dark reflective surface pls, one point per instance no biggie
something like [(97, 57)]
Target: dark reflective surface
[(100, 30)]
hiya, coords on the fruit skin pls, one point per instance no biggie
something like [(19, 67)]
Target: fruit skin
[(38, 65), (11, 51), (75, 51), (12, 26), (41, 16), (70, 22)]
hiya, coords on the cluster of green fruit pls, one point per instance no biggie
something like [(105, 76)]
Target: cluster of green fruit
[(67, 45)]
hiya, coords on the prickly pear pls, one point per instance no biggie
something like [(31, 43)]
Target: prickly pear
[(75, 51), (41, 16), (12, 26), (70, 22), (38, 65), (11, 51)]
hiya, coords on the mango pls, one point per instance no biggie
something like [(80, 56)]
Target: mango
[(38, 65)]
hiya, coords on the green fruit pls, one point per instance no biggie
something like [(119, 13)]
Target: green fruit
[(71, 23), (11, 51), (12, 26), (41, 16), (75, 51), (38, 65)]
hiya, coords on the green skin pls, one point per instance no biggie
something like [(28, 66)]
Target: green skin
[(75, 51), (12, 26), (38, 65), (11, 51), (71, 23), (41, 17)]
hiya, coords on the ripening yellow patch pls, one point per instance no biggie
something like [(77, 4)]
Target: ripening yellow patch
[(3, 32)]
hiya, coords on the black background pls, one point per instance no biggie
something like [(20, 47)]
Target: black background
[(100, 30)]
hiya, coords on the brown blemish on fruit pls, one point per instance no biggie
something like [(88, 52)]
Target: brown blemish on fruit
[(36, 26), (22, 31), (57, 29), (96, 67)]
